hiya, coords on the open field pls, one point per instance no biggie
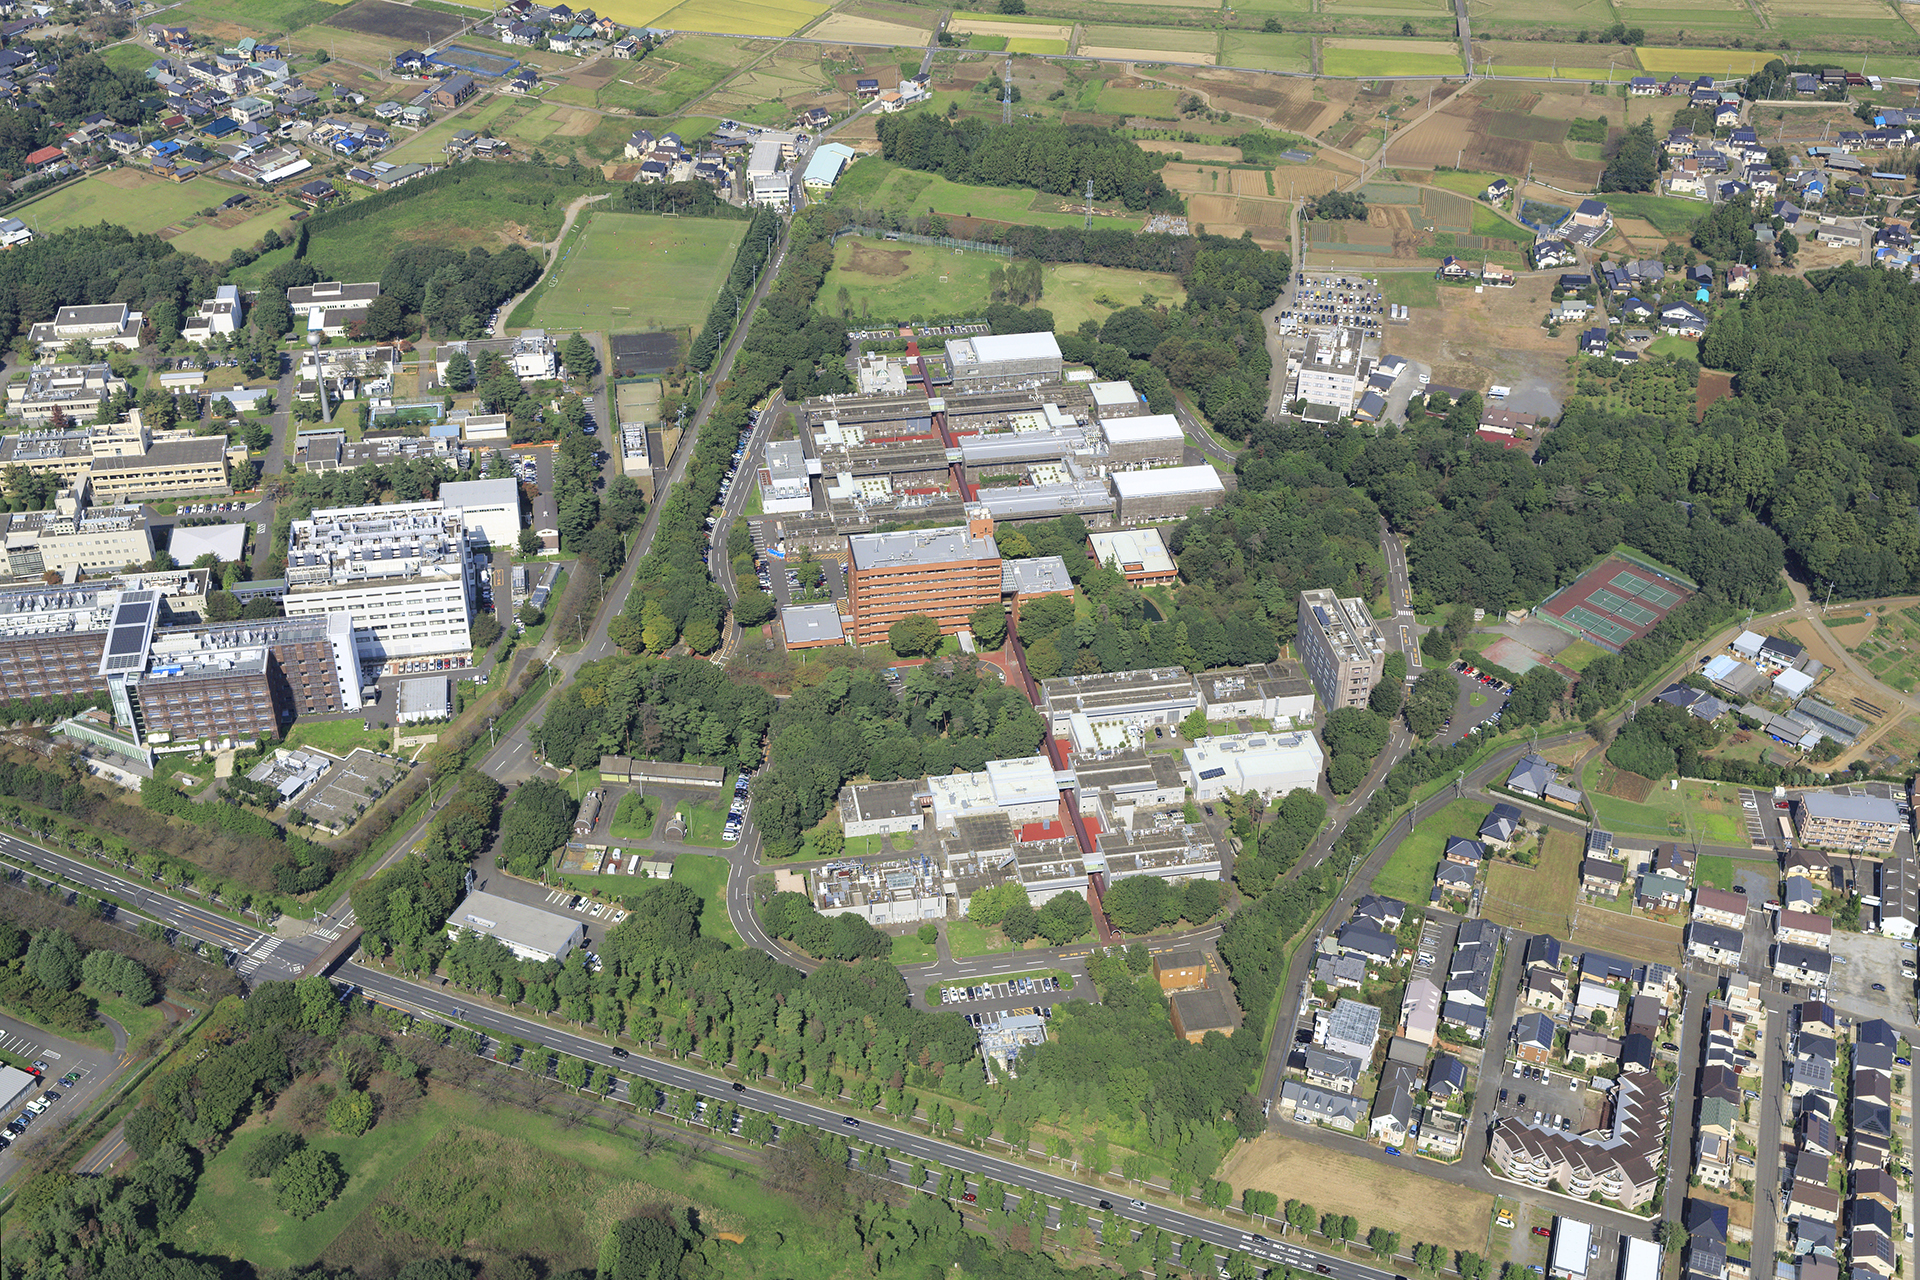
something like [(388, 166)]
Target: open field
[(847, 26), (1559, 13), (1891, 649), (1537, 899), (1266, 52), (1379, 1193), (1354, 57), (1010, 25), (706, 875), (741, 17), (1159, 103), (1635, 937), (1670, 215), (895, 282), (137, 201), (1409, 872), (1858, 19), (1712, 808), (634, 272), (664, 83), (1150, 38), (775, 88), (260, 17), (878, 184), (469, 215)]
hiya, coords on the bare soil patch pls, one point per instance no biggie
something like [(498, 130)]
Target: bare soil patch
[(1713, 386), (1631, 936), (874, 261), (1191, 150), (396, 21), (1623, 785), (1376, 1193)]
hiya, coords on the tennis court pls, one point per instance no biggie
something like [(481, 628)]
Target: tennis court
[(1614, 603)]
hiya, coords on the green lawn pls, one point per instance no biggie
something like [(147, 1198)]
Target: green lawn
[(704, 821), (1716, 871), (635, 272), (965, 938), (1488, 222), (1578, 655), (1408, 874), (1669, 215), (910, 950), (1714, 822), (218, 243), (706, 875), (1672, 344), (893, 281), (1410, 288), (337, 736), (1466, 184)]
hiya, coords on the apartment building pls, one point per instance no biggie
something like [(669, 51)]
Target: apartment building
[(1620, 1161), (944, 573), (1831, 821), (1341, 647), (400, 571)]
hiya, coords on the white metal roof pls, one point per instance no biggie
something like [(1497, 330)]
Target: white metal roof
[(1571, 1240), (1113, 393), (1151, 426), (1163, 481)]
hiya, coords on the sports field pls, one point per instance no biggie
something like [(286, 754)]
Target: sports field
[(1390, 57), (139, 202), (634, 272), (1614, 602), (891, 281)]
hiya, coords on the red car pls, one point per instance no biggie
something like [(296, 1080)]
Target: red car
[(1541, 1231), (971, 1197)]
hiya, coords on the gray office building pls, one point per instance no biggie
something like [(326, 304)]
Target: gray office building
[(1341, 647)]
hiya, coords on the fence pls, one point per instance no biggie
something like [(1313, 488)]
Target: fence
[(938, 242)]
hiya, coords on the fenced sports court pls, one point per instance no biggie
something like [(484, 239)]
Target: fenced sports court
[(1616, 602)]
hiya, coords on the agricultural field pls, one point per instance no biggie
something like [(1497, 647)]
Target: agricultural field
[(893, 24), (1729, 63), (253, 17), (394, 25), (740, 17), (1357, 57), (1564, 61), (1670, 215), (1500, 129), (877, 184), (138, 201), (1489, 14), (1891, 649), (634, 272), (776, 88), (1617, 933), (686, 68), (1857, 19), (1266, 52), (1714, 16), (1148, 44), (1156, 103), (891, 281)]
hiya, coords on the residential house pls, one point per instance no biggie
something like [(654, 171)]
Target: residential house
[(1546, 989), (1392, 1119), (1501, 825), (1452, 877), (1446, 1076), (1713, 943), (1804, 929), (1674, 860), (1470, 853), (1553, 252), (1593, 342), (1590, 1050), (1334, 1072), (1420, 1011), (1531, 776), (1359, 938), (1340, 971), (1533, 1036), (1661, 892), (1822, 1204), (1792, 963), (1798, 893), (1591, 998), (1720, 906), (454, 90), (1352, 1028), (1602, 878), (1305, 1104), (1683, 319)]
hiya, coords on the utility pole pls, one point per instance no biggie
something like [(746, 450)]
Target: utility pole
[(1006, 95), (1089, 225)]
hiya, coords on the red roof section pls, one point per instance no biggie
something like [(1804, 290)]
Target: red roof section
[(1033, 832), (44, 154)]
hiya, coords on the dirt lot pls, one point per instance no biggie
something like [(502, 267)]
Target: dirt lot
[(1870, 959), (1376, 1193), (1191, 150), (1476, 339), (1713, 386), (1631, 936)]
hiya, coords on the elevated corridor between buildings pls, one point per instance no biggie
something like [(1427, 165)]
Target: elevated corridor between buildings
[(1070, 814), (940, 424)]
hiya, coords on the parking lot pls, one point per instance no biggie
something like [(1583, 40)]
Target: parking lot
[(73, 1071), (1555, 1097), (1862, 961), (1437, 937), (1341, 301)]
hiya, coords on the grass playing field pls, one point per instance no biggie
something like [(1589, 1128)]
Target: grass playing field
[(897, 282), (661, 273), (137, 201)]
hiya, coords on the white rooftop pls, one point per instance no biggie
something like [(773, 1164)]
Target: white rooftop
[(1135, 550), (1021, 781), (811, 623), (227, 541), (479, 493), (1825, 804), (1150, 426), (918, 547), (1164, 481), (1107, 394), (988, 348), (1571, 1240)]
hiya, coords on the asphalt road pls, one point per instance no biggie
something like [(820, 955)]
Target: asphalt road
[(420, 1001)]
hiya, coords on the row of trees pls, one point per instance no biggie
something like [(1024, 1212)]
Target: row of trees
[(1061, 159)]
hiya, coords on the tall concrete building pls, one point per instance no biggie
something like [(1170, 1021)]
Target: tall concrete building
[(995, 362), (944, 573), (1341, 647), (401, 571)]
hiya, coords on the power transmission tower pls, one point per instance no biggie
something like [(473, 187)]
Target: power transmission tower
[(1006, 95), (1089, 202)]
